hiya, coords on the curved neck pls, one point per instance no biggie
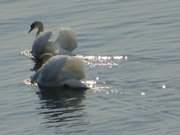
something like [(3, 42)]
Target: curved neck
[(40, 28)]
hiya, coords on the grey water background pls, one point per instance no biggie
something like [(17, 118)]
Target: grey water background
[(139, 96)]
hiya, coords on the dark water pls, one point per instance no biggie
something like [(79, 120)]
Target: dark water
[(136, 95)]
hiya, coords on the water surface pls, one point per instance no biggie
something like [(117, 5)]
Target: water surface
[(139, 94)]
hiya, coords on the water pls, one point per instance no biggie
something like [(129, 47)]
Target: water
[(137, 94)]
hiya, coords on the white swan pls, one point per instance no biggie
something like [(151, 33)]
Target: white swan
[(65, 42), (60, 71)]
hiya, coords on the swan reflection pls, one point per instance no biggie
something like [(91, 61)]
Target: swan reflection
[(63, 109)]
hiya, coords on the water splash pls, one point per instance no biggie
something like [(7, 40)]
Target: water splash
[(26, 53), (92, 84), (89, 83), (29, 83)]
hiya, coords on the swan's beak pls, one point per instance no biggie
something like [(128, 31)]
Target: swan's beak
[(30, 30)]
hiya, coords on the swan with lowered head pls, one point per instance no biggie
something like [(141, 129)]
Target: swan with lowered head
[(65, 42), (61, 71)]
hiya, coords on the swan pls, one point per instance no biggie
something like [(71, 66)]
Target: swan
[(65, 42), (60, 71)]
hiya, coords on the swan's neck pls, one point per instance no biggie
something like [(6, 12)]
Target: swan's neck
[(40, 28)]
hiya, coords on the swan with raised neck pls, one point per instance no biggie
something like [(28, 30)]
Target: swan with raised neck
[(37, 25)]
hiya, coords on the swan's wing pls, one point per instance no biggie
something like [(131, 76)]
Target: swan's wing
[(40, 43), (66, 40), (74, 68), (51, 72)]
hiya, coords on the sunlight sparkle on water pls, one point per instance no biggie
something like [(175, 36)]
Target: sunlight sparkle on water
[(164, 86), (109, 61), (97, 78), (89, 83), (143, 93), (97, 88), (103, 57)]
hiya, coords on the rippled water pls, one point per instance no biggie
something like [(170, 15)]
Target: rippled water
[(132, 49)]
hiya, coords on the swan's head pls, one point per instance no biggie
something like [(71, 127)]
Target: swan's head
[(37, 25)]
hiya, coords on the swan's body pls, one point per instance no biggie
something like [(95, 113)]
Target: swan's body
[(60, 71), (65, 42), (42, 45)]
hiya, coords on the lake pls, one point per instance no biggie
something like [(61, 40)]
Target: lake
[(133, 53)]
